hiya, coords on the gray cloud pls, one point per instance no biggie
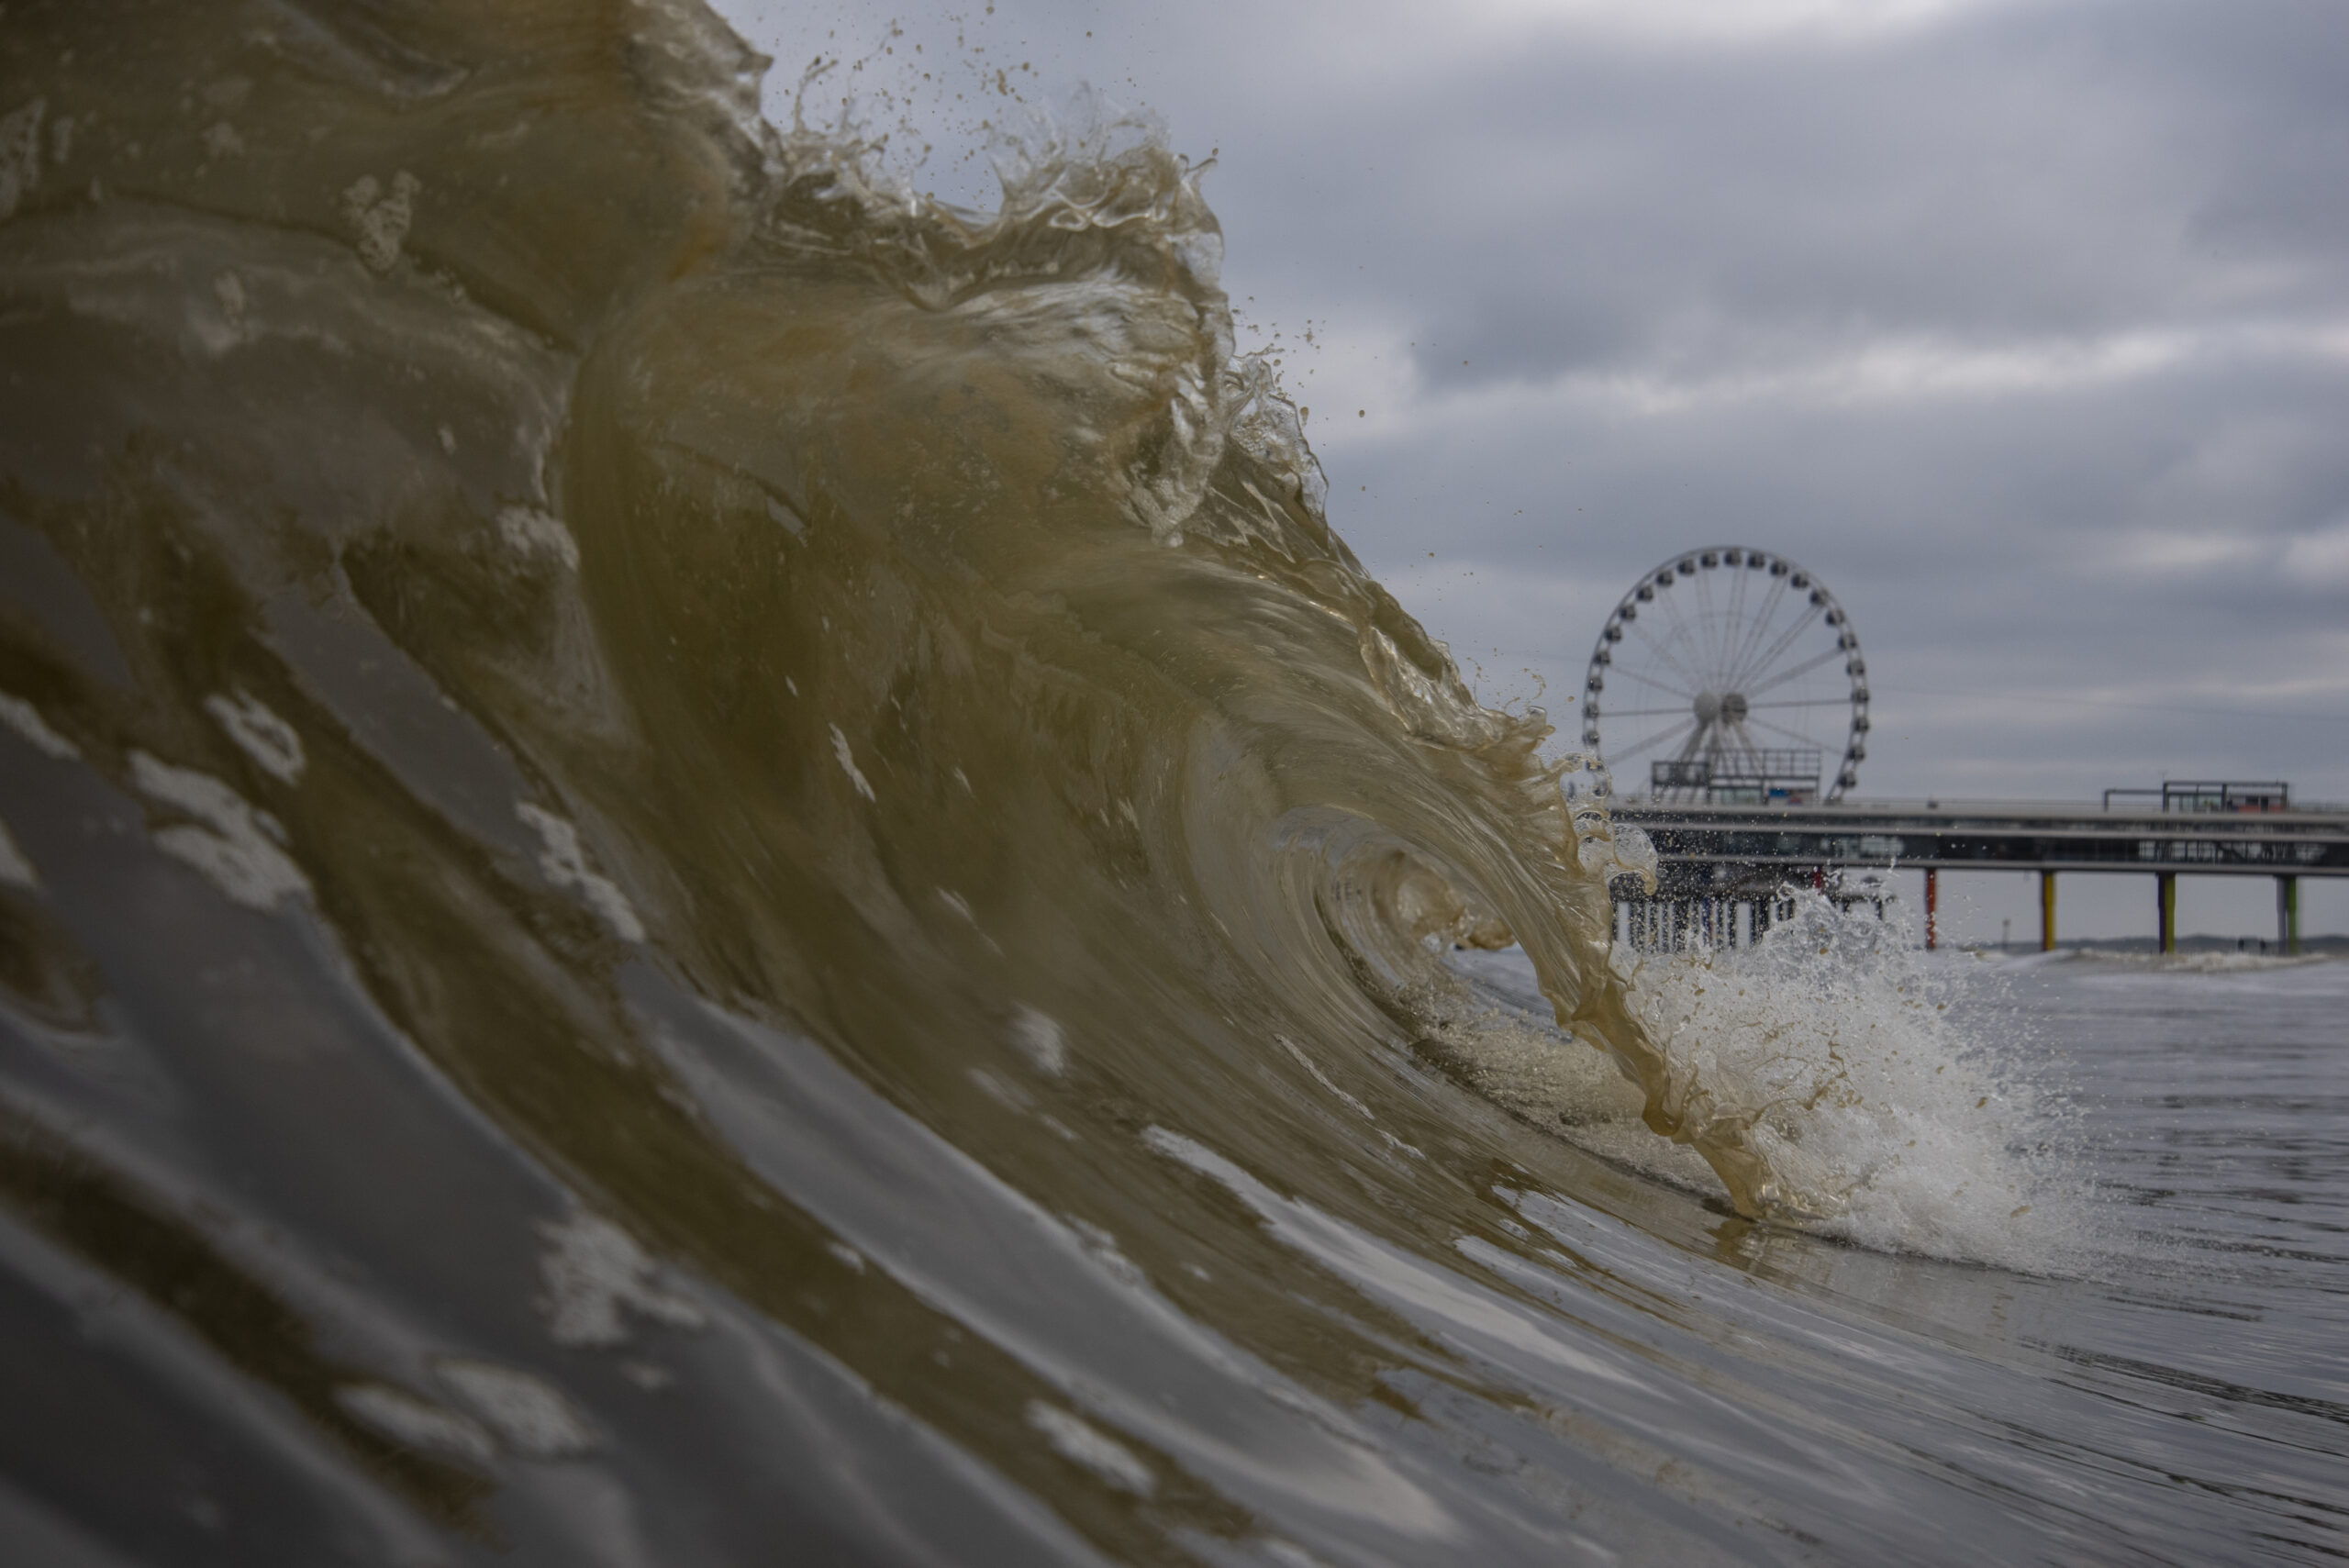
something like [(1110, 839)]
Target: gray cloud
[(2023, 322)]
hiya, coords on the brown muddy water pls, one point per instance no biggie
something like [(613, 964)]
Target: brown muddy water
[(702, 863)]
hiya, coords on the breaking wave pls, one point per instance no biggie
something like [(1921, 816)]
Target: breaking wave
[(589, 675)]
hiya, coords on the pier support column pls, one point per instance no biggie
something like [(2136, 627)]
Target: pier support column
[(1932, 907), (2287, 913), (2047, 911), (2166, 896)]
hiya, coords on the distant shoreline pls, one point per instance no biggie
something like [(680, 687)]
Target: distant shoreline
[(2331, 945)]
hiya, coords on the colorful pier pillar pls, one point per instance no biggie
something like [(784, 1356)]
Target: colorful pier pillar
[(2047, 911), (1932, 907), (2165, 894), (2287, 913)]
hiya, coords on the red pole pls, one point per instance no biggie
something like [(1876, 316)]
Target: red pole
[(1932, 903)]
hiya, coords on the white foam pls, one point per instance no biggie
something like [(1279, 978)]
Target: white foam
[(15, 870), (564, 863), (1895, 1127), (1080, 1442), (1040, 1038), (848, 764), (1885, 1121), (237, 848), (528, 530), (26, 720), (379, 219), (406, 1419), (1102, 1248), (268, 740), (2219, 962), (1322, 1078), (594, 1270), (532, 1414)]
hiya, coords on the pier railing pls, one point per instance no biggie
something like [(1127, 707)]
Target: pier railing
[(1739, 855)]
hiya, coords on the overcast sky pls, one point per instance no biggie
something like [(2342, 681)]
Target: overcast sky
[(2023, 323)]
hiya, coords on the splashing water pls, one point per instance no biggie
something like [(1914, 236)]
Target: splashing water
[(1867, 1074)]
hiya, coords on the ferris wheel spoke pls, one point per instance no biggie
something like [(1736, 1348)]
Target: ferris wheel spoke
[(1658, 738), (1802, 669), (1805, 702), (1781, 641), (1680, 629), (1733, 629), (1806, 741), (1753, 751), (1641, 711), (1651, 681), (1785, 640), (1727, 624), (1664, 651), (1760, 627), (1710, 622)]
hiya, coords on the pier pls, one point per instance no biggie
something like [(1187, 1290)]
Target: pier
[(1723, 870)]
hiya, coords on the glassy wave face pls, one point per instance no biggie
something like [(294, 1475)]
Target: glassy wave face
[(706, 864)]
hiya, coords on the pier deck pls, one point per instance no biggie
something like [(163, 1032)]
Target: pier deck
[(1737, 853)]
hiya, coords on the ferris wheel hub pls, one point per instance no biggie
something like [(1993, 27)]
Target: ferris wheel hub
[(1730, 708)]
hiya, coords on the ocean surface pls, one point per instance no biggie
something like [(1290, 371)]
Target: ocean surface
[(702, 862)]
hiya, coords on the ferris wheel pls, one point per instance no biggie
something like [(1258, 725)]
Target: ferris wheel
[(1729, 676)]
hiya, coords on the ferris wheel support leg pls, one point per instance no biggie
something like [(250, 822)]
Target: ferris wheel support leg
[(2047, 911)]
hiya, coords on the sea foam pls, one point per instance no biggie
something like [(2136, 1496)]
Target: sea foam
[(1900, 1106)]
